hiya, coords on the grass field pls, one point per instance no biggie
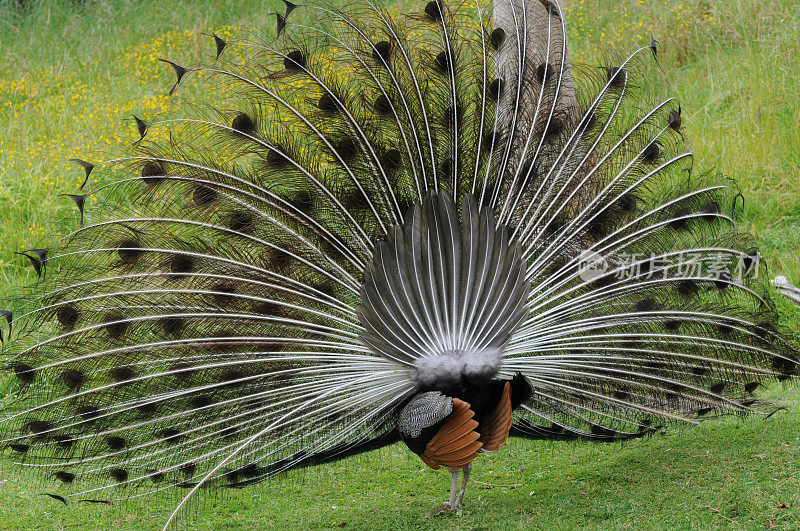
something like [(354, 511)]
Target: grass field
[(71, 75)]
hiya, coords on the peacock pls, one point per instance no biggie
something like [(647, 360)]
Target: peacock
[(431, 228)]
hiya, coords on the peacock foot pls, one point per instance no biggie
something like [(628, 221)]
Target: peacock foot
[(442, 509), (445, 508)]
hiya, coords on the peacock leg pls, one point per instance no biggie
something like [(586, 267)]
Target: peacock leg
[(460, 499), (450, 505)]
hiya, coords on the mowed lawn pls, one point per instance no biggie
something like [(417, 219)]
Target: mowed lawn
[(71, 75)]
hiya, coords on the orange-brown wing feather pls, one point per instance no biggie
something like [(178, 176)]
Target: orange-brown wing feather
[(461, 415), (456, 443), (495, 428)]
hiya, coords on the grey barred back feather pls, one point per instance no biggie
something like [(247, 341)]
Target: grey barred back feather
[(376, 206), (423, 411)]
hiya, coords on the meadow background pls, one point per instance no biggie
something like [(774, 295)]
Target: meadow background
[(73, 72)]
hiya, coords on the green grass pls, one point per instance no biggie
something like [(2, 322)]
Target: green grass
[(71, 75), (725, 473)]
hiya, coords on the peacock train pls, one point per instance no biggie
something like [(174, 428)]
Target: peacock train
[(430, 228)]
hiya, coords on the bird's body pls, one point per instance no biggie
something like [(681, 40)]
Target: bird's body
[(427, 228)]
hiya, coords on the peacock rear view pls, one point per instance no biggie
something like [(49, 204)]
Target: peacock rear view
[(430, 228)]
